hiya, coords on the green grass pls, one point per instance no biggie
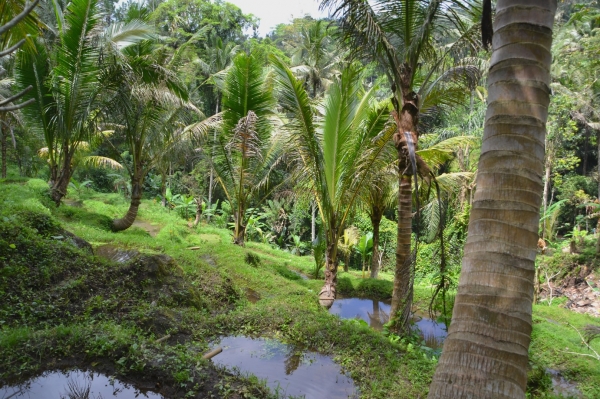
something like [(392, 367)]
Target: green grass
[(116, 312)]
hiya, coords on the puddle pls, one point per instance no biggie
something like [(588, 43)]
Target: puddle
[(377, 313), (115, 254), (252, 295), (147, 226), (75, 384), (288, 370), (563, 387)]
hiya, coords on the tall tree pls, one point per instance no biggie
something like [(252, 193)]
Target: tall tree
[(486, 352), (246, 153), (400, 35), (69, 82), (333, 154)]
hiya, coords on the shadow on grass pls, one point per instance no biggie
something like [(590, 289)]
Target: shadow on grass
[(91, 219)]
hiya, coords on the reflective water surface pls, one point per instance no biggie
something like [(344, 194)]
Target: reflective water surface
[(115, 254), (75, 384), (287, 369), (377, 313)]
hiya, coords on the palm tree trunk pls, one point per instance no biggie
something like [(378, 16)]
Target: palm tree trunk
[(328, 292), (163, 188), (60, 178), (402, 294), (375, 223), (486, 352), (313, 223), (3, 146), (137, 181), (211, 180), (198, 211)]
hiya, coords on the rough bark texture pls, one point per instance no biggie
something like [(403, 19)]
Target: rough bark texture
[(402, 294), (60, 177), (375, 222), (403, 276), (198, 211), (485, 354), (137, 181), (327, 293)]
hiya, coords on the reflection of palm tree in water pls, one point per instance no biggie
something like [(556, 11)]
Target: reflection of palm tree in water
[(292, 360), (378, 318)]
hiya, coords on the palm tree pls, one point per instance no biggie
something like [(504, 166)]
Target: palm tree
[(486, 352), (399, 34), (218, 58), (313, 61), (68, 84), (332, 154), (246, 152)]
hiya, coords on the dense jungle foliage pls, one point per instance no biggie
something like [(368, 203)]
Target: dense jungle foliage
[(234, 167)]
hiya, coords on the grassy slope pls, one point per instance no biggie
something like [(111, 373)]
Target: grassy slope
[(216, 277), (116, 313)]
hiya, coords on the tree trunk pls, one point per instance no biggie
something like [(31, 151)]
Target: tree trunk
[(239, 231), (211, 180), (486, 352), (375, 222), (402, 294), (403, 275), (137, 181), (546, 192), (163, 188), (3, 147), (198, 211), (313, 223), (60, 178), (327, 293)]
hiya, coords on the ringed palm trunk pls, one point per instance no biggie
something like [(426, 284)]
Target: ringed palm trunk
[(137, 181), (60, 176), (402, 294), (328, 292), (375, 222), (485, 354)]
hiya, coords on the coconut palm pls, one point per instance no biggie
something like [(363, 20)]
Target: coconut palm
[(400, 34), (218, 58), (332, 153), (246, 152), (313, 60), (69, 83), (486, 352)]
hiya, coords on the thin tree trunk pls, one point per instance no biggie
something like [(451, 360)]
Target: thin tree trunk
[(486, 352), (402, 294), (137, 181), (328, 292), (163, 188), (313, 223), (375, 223), (198, 211), (3, 146), (211, 180), (60, 178), (545, 202), (407, 122)]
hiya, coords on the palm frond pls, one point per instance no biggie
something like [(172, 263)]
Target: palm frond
[(101, 162)]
